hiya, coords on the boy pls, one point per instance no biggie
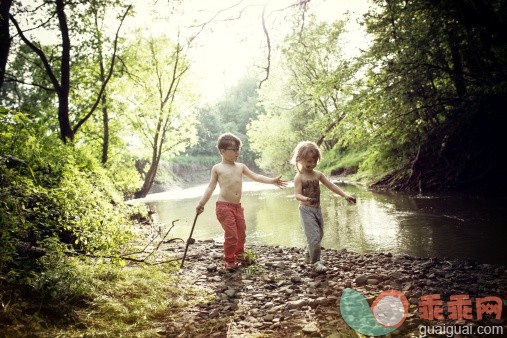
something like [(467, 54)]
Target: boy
[(229, 176)]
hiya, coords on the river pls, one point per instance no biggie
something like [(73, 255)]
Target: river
[(453, 225)]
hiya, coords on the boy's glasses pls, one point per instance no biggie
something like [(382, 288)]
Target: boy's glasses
[(236, 150)]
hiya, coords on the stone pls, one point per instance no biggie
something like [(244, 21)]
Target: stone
[(311, 329), (279, 301), (361, 280), (230, 293), (297, 304)]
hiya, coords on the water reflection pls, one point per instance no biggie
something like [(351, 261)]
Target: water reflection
[(441, 225)]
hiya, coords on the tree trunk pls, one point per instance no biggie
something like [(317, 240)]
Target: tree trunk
[(105, 125), (5, 38), (66, 132), (148, 181), (105, 113), (457, 75), (152, 171)]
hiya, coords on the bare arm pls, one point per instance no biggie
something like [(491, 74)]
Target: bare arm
[(208, 192), (336, 189), (264, 179)]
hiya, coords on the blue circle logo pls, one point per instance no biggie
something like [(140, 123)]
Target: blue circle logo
[(387, 313)]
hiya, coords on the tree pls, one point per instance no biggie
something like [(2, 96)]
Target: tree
[(157, 108), (313, 82), (230, 114), (99, 70), (5, 38), (319, 80), (431, 103), (59, 71)]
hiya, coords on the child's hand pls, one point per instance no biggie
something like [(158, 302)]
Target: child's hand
[(199, 209), (279, 182), (350, 199)]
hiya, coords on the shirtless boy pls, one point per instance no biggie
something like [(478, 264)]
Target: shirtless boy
[(229, 176)]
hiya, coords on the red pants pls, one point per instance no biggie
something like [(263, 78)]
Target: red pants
[(232, 219)]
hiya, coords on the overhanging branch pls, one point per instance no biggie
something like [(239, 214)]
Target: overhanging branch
[(39, 52)]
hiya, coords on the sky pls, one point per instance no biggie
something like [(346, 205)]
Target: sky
[(233, 44)]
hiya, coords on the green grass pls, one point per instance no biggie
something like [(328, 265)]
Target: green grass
[(116, 302), (334, 160)]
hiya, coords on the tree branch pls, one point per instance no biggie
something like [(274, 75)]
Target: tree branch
[(137, 260), (268, 41), (109, 75), (40, 53), (13, 79)]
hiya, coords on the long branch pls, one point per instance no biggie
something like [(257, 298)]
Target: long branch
[(108, 77), (39, 52), (266, 33), (16, 80)]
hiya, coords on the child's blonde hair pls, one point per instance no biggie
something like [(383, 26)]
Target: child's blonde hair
[(302, 149)]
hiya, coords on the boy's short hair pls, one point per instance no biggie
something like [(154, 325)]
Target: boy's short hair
[(227, 139)]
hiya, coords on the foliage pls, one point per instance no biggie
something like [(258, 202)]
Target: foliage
[(250, 256), (58, 201), (64, 75), (55, 199), (422, 106), (158, 101), (35, 101), (304, 99), (150, 95), (272, 138), (231, 114), (429, 104), (255, 270), (337, 160), (319, 80)]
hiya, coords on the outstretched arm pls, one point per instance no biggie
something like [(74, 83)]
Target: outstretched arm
[(264, 179), (336, 189)]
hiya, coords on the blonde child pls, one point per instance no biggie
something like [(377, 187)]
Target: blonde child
[(229, 176), (307, 191)]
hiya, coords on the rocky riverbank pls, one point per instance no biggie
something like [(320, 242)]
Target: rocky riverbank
[(280, 296)]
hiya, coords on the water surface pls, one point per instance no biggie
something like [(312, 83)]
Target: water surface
[(425, 225)]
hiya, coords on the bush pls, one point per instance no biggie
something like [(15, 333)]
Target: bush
[(55, 200)]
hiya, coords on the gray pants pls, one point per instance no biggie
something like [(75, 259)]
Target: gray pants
[(313, 225)]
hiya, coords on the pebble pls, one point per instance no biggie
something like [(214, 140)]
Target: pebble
[(285, 297)]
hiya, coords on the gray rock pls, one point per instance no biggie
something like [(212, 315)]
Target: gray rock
[(311, 329), (297, 304)]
